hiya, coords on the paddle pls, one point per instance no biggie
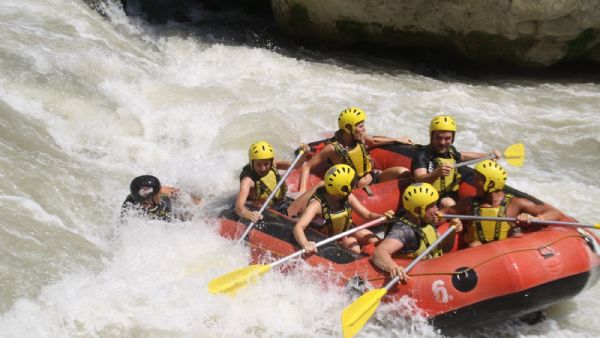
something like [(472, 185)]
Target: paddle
[(513, 154), (356, 315), (231, 282), (513, 219), (272, 194)]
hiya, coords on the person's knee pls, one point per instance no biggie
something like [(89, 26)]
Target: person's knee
[(447, 202), (352, 244), (401, 172), (474, 244), (368, 237), (355, 248)]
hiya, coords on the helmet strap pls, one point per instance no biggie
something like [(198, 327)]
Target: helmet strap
[(420, 212), (490, 186), (348, 129), (346, 137), (413, 218)]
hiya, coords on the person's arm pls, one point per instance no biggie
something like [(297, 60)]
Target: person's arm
[(527, 211), (175, 192), (421, 174), (383, 258), (285, 164), (282, 164), (448, 243), (126, 206), (195, 199), (365, 213), (420, 166), (462, 207), (375, 141), (313, 210), (469, 155), (169, 191), (240, 201), (319, 158)]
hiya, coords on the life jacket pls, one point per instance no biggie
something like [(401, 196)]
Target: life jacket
[(263, 186), (488, 231), (426, 234), (449, 183), (162, 211), (358, 157), (335, 221)]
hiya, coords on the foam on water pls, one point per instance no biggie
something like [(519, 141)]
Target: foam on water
[(87, 103)]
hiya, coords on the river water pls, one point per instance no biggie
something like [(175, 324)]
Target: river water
[(87, 103)]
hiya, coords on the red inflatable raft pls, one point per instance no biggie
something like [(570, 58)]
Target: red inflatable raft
[(465, 288)]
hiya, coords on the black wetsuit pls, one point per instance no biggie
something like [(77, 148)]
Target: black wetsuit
[(163, 211)]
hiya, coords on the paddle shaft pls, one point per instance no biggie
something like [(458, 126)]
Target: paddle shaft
[(462, 164), (330, 239), (272, 194), (477, 160), (513, 219), (412, 264)]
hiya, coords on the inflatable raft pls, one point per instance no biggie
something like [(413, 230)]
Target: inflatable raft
[(466, 287)]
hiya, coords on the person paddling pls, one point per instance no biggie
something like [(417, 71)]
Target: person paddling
[(349, 146), (491, 201), (434, 163), (259, 178), (335, 203), (150, 199), (413, 232)]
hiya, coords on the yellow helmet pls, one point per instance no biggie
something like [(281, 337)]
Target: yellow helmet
[(419, 195), (261, 150), (351, 116), (339, 179), (493, 172), (444, 122)]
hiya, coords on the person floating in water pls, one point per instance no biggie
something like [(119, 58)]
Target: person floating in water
[(150, 199)]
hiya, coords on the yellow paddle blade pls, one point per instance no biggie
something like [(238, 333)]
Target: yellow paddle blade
[(515, 154), (597, 226), (231, 282), (357, 314)]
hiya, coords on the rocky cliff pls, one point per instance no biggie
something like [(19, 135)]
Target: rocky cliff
[(531, 33)]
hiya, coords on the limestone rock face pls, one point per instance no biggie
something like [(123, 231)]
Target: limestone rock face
[(532, 33)]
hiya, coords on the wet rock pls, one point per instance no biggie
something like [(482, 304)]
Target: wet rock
[(530, 33)]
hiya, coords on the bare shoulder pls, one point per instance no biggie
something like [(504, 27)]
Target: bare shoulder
[(389, 245), (464, 205), (520, 202), (313, 209), (353, 200), (328, 149), (282, 164), (246, 182), (166, 190), (324, 154)]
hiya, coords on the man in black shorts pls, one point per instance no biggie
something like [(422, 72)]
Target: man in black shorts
[(413, 233)]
